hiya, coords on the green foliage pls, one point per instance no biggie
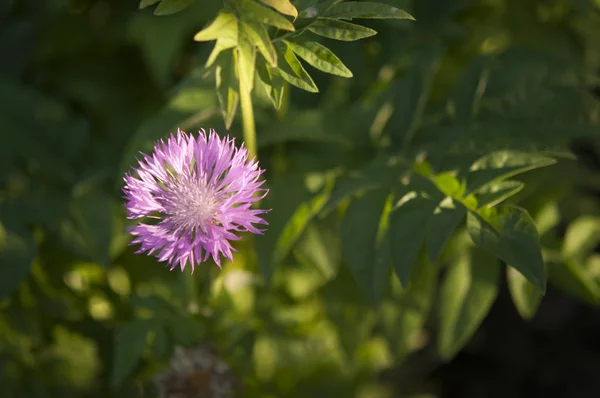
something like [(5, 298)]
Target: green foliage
[(429, 162)]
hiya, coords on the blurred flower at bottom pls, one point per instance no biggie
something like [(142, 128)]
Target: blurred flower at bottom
[(197, 373)]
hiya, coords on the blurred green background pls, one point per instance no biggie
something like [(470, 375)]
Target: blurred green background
[(86, 84)]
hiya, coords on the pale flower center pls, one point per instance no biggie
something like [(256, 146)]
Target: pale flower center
[(191, 204)]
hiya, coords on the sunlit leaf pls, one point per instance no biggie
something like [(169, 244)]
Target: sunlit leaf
[(467, 294), (167, 7), (501, 165), (283, 6), (582, 237), (492, 194), (245, 61), (364, 9), (319, 57), (272, 82), (227, 89), (509, 233), (258, 36), (256, 12), (224, 27), (292, 70), (340, 30), (524, 295), (130, 340), (360, 238)]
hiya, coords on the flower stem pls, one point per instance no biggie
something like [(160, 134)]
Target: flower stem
[(248, 121)]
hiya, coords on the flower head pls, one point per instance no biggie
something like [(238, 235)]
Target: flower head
[(195, 194)]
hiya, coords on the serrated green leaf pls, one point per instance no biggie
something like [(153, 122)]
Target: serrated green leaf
[(273, 83), (319, 57), (147, 3), (467, 294), (509, 233), (367, 10), (292, 70), (283, 6), (340, 30), (361, 238), (258, 36), (501, 165), (582, 236), (408, 226), (17, 252), (492, 194), (442, 223), (167, 7), (227, 89), (524, 295), (256, 12), (224, 27), (129, 343)]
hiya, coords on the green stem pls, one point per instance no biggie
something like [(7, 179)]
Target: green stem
[(248, 121)]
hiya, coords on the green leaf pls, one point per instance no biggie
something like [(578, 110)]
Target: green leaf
[(147, 3), (509, 233), (90, 228), (408, 226), (17, 252), (220, 46), (224, 27), (361, 237), (298, 222), (467, 294), (340, 30), (442, 223), (255, 12), (130, 341), (258, 36), (575, 279), (292, 70), (411, 94), (363, 9), (227, 89), (525, 296), (320, 247), (272, 82), (319, 57), (470, 89), (501, 165), (283, 6), (493, 194), (167, 7), (581, 238), (403, 318)]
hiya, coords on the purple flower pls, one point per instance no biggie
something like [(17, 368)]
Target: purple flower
[(195, 194)]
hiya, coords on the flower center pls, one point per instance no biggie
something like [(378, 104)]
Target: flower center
[(190, 203)]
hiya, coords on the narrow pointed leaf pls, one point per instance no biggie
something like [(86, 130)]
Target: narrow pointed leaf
[(224, 27), (467, 294), (340, 30), (258, 36), (273, 83), (245, 61), (167, 7), (501, 165), (283, 6), (441, 225), (319, 57), (220, 46), (227, 89), (292, 71), (493, 194), (363, 9), (359, 238), (147, 3), (582, 237), (258, 13), (509, 233)]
